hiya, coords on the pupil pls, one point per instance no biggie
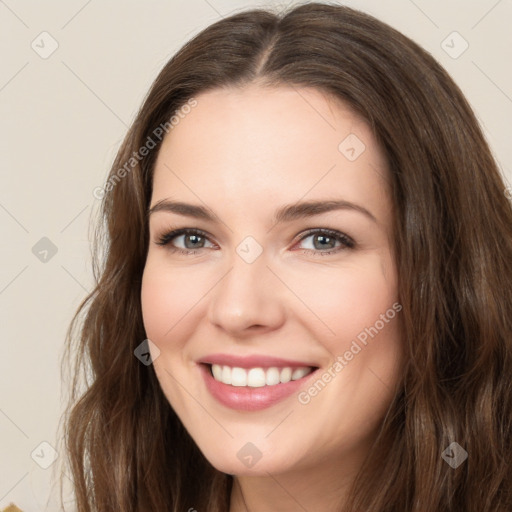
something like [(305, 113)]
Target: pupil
[(190, 237), (325, 239)]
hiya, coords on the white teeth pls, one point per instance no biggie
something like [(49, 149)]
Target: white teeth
[(226, 375), (238, 377), (217, 371), (272, 377), (257, 377), (286, 375), (298, 373)]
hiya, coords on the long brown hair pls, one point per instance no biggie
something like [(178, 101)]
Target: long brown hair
[(453, 240)]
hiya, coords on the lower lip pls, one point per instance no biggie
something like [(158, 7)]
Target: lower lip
[(245, 398)]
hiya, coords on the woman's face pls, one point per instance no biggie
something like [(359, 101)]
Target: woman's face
[(285, 287)]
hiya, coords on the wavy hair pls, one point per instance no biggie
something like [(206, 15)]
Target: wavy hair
[(126, 447)]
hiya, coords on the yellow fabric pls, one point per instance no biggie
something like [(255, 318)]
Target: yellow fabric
[(12, 508)]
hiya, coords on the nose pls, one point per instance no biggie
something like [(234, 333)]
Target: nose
[(248, 298)]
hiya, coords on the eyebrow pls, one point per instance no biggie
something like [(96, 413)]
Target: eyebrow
[(286, 213)]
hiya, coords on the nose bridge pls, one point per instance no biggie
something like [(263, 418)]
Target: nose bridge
[(248, 294)]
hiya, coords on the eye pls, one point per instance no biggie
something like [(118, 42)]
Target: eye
[(193, 239), (323, 241)]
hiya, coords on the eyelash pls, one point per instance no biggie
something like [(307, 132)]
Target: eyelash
[(347, 242)]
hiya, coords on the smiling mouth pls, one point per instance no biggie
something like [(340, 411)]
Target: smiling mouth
[(253, 383), (258, 377)]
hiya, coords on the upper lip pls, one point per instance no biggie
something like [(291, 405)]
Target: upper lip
[(252, 361)]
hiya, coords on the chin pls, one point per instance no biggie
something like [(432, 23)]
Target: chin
[(248, 459)]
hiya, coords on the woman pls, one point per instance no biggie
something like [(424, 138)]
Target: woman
[(306, 297)]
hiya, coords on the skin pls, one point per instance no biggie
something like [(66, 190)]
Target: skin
[(243, 153)]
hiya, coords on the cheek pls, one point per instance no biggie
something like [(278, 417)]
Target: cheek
[(165, 301), (346, 301), (155, 303)]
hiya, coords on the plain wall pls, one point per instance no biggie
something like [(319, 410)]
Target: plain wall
[(62, 119)]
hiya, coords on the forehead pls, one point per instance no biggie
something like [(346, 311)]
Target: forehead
[(279, 144)]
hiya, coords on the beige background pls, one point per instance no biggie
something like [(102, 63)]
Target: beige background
[(62, 118)]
